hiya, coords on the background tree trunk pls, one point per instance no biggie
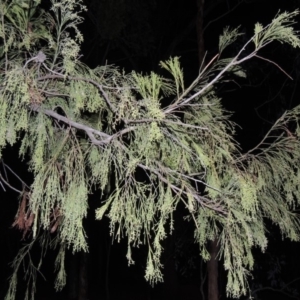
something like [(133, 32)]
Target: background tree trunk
[(170, 274), (199, 26), (78, 276), (83, 276), (72, 279), (212, 270)]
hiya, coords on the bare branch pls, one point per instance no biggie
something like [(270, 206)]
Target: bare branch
[(7, 184), (233, 62), (177, 190), (5, 166), (105, 138)]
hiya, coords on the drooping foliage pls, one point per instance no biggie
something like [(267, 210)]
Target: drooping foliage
[(82, 128)]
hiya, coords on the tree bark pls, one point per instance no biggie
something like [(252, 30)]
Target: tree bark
[(212, 270)]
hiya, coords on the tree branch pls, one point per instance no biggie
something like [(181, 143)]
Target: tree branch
[(272, 62), (57, 75), (105, 138)]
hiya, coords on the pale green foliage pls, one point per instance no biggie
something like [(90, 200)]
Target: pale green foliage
[(228, 37), (173, 66), (60, 281), (22, 17), (279, 30), (82, 127)]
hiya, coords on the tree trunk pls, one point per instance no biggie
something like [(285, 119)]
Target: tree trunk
[(170, 274), (78, 276), (199, 25), (72, 279), (83, 276), (212, 270)]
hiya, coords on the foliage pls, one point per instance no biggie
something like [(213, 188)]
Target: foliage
[(81, 127)]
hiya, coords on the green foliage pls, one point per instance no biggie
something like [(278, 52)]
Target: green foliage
[(80, 127), (227, 38), (279, 30)]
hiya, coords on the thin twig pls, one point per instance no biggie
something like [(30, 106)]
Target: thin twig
[(267, 135), (176, 189), (2, 186), (4, 170), (89, 130), (221, 16), (179, 123), (15, 174), (272, 62), (10, 186), (233, 62), (174, 106)]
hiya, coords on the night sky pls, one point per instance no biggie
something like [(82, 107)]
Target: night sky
[(153, 31)]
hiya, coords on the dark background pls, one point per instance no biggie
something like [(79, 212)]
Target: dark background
[(136, 35)]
